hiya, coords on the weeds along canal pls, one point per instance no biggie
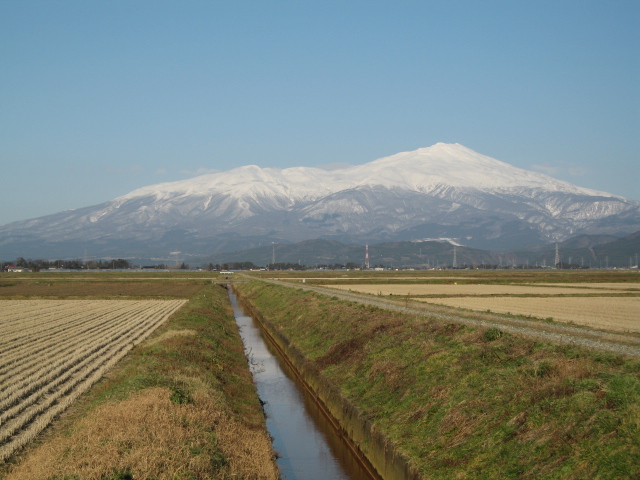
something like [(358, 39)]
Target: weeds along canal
[(308, 445)]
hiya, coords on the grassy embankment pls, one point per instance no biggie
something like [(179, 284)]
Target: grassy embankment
[(182, 405), (465, 402)]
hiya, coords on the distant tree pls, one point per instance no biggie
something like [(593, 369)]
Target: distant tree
[(73, 264), (241, 266), (111, 264), (286, 266)]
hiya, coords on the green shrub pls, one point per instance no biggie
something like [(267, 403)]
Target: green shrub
[(492, 334)]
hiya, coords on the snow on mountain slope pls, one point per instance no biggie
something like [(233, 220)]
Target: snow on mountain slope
[(425, 170), (455, 165), (446, 190), (449, 172), (298, 183)]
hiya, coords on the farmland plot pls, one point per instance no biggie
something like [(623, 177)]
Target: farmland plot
[(51, 351), (457, 290), (608, 306), (609, 313)]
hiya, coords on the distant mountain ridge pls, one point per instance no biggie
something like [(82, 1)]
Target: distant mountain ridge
[(595, 251), (446, 190)]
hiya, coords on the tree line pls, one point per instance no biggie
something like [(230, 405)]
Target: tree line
[(38, 264)]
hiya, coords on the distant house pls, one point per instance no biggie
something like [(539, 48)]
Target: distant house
[(14, 269)]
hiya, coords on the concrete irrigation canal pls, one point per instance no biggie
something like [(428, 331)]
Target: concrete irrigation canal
[(308, 443)]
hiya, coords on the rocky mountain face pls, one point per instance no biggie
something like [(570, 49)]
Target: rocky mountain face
[(446, 190)]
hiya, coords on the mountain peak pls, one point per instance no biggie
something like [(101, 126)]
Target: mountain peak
[(446, 190), (423, 170)]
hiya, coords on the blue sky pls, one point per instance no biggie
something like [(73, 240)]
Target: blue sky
[(98, 98)]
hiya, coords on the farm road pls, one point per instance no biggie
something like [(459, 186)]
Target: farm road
[(552, 332)]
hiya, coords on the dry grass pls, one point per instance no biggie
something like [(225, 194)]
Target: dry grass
[(577, 303), (610, 313), (170, 334), (54, 350), (466, 289), (181, 406), (149, 436), (630, 286), (44, 288)]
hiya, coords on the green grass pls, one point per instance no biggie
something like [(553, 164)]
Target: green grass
[(465, 402), (213, 357)]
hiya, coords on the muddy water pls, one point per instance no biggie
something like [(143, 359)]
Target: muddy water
[(307, 444)]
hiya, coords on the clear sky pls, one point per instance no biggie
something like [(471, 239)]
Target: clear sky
[(100, 97)]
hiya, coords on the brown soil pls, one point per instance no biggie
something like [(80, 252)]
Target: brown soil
[(100, 289)]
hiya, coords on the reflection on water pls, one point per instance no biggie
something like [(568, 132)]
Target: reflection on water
[(307, 444)]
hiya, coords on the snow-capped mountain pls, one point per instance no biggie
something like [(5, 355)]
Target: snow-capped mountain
[(446, 190)]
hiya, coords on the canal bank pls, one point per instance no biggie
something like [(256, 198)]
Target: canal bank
[(362, 450), (458, 401), (310, 445)]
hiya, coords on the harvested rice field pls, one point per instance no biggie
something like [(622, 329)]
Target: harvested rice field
[(76, 289), (52, 351), (609, 313), (609, 306), (466, 289), (631, 287)]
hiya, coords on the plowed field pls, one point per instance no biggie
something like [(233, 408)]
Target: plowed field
[(51, 351), (100, 289)]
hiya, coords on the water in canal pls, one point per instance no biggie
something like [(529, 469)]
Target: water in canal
[(307, 444)]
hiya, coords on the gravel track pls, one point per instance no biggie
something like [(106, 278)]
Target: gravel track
[(552, 332)]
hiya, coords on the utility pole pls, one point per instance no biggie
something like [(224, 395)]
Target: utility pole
[(366, 255)]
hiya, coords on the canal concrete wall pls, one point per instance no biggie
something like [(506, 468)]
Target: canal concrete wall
[(361, 433)]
